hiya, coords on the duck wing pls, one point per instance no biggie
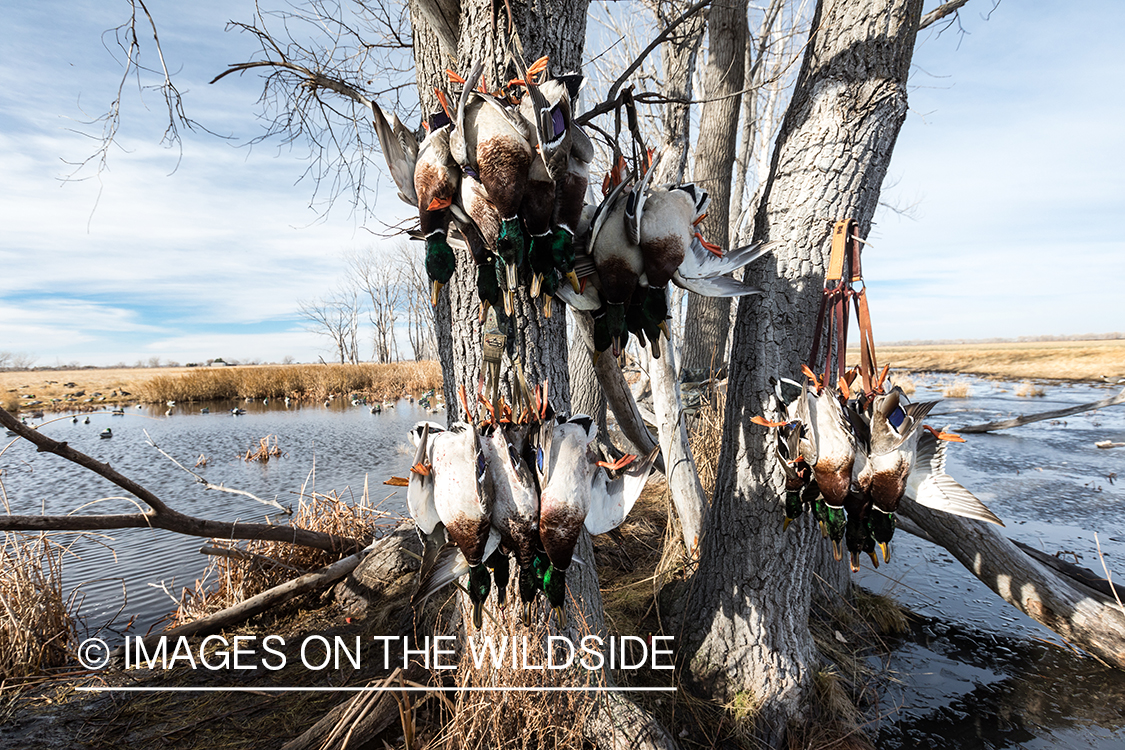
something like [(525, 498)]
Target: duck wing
[(420, 489), (930, 486), (701, 263), (589, 299), (719, 286), (612, 499), (444, 565), (400, 149)]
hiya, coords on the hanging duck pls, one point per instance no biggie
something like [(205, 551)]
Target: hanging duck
[(558, 177), (427, 177), (832, 451), (463, 491), (491, 143), (895, 428)]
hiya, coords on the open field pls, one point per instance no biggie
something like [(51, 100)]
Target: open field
[(1054, 360), (92, 389)]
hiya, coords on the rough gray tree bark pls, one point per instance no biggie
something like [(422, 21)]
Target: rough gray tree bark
[(708, 319), (748, 633), (555, 28)]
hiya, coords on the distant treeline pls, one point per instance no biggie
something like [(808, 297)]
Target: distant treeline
[(1019, 340)]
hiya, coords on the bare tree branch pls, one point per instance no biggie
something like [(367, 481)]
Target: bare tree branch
[(940, 12), (159, 515), (1005, 424)]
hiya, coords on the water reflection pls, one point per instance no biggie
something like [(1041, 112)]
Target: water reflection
[(997, 678), (326, 449)]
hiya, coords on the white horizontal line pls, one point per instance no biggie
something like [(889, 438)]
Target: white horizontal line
[(389, 689)]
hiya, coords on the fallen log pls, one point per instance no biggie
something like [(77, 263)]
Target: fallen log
[(1078, 613), (159, 515), (255, 605), (1004, 424)]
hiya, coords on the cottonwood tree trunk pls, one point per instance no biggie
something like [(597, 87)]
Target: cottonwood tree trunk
[(748, 635), (556, 28), (708, 318)]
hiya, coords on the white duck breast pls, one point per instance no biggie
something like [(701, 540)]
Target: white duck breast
[(611, 500), (564, 501), (515, 512), (834, 445), (463, 489), (666, 232), (929, 485), (420, 489), (618, 260)]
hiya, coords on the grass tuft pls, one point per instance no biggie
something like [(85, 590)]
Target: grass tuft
[(252, 567), (1028, 389), (957, 390), (37, 626)]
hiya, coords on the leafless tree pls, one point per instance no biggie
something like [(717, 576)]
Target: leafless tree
[(337, 317), (373, 272), (16, 360)]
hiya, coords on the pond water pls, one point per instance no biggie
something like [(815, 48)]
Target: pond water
[(333, 449), (974, 673)]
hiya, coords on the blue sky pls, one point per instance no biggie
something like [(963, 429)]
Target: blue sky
[(1011, 160)]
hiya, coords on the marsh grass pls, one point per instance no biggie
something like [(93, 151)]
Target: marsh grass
[(256, 566), (956, 390), (1054, 360), (37, 625), (706, 438), (1027, 389), (266, 450), (301, 382), (905, 382)]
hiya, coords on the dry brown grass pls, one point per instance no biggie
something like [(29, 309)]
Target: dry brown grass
[(157, 385), (295, 381), (260, 565), (706, 437), (1028, 389), (1051, 360), (905, 382), (956, 390), (266, 450), (37, 628)]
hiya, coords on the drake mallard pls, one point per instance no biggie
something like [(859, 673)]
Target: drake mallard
[(491, 143), (515, 513), (427, 177), (831, 454), (465, 506), (895, 428)]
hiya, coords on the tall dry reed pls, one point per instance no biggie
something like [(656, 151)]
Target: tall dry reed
[(706, 437), (295, 381), (255, 566), (37, 627)]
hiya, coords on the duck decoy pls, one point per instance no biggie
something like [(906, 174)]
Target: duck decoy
[(106, 433)]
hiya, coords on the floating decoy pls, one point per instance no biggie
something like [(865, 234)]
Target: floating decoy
[(86, 420), (74, 419), (205, 410), (106, 433)]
